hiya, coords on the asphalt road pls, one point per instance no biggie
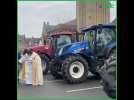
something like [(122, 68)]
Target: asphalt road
[(60, 89)]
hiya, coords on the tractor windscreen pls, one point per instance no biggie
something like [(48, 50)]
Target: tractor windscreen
[(105, 36), (63, 40)]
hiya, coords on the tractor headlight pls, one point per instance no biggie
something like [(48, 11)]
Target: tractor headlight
[(60, 51)]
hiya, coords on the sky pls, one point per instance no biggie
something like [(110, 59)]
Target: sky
[(31, 15)]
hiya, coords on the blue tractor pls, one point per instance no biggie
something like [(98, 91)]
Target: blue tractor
[(74, 61)]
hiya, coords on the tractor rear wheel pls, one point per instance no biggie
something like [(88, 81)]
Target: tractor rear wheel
[(75, 69)]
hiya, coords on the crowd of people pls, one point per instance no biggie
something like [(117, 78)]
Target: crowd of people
[(30, 68)]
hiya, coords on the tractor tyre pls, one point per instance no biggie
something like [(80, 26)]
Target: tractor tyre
[(110, 92), (111, 71), (54, 70), (75, 69), (45, 64)]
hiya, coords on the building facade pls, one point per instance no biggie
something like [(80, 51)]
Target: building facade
[(22, 42), (91, 13)]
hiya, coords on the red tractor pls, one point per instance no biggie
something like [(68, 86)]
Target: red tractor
[(53, 42)]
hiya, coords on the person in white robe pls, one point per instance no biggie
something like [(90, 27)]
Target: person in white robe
[(31, 72)]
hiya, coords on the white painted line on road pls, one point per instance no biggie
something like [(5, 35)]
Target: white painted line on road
[(54, 81), (84, 89)]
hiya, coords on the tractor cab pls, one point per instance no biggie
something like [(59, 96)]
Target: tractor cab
[(59, 39), (99, 37)]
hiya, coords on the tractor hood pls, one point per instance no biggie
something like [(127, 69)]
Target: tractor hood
[(45, 49), (40, 47), (74, 48)]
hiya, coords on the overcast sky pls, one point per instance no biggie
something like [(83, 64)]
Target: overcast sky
[(31, 15)]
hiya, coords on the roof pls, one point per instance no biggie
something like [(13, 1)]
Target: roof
[(62, 33), (111, 25), (69, 26)]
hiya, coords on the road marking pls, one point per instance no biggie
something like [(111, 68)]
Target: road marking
[(84, 89), (54, 81)]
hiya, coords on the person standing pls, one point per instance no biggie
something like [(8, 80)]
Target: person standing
[(25, 74), (31, 72), (20, 54), (37, 71)]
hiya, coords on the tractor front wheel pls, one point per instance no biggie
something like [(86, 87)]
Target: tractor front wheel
[(75, 69), (54, 70), (110, 70), (45, 63)]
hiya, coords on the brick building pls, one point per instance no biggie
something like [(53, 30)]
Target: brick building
[(91, 13)]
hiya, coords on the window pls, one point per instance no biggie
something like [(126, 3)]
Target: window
[(48, 41), (105, 36), (63, 40), (90, 35)]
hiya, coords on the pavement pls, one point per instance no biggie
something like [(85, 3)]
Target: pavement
[(54, 88)]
